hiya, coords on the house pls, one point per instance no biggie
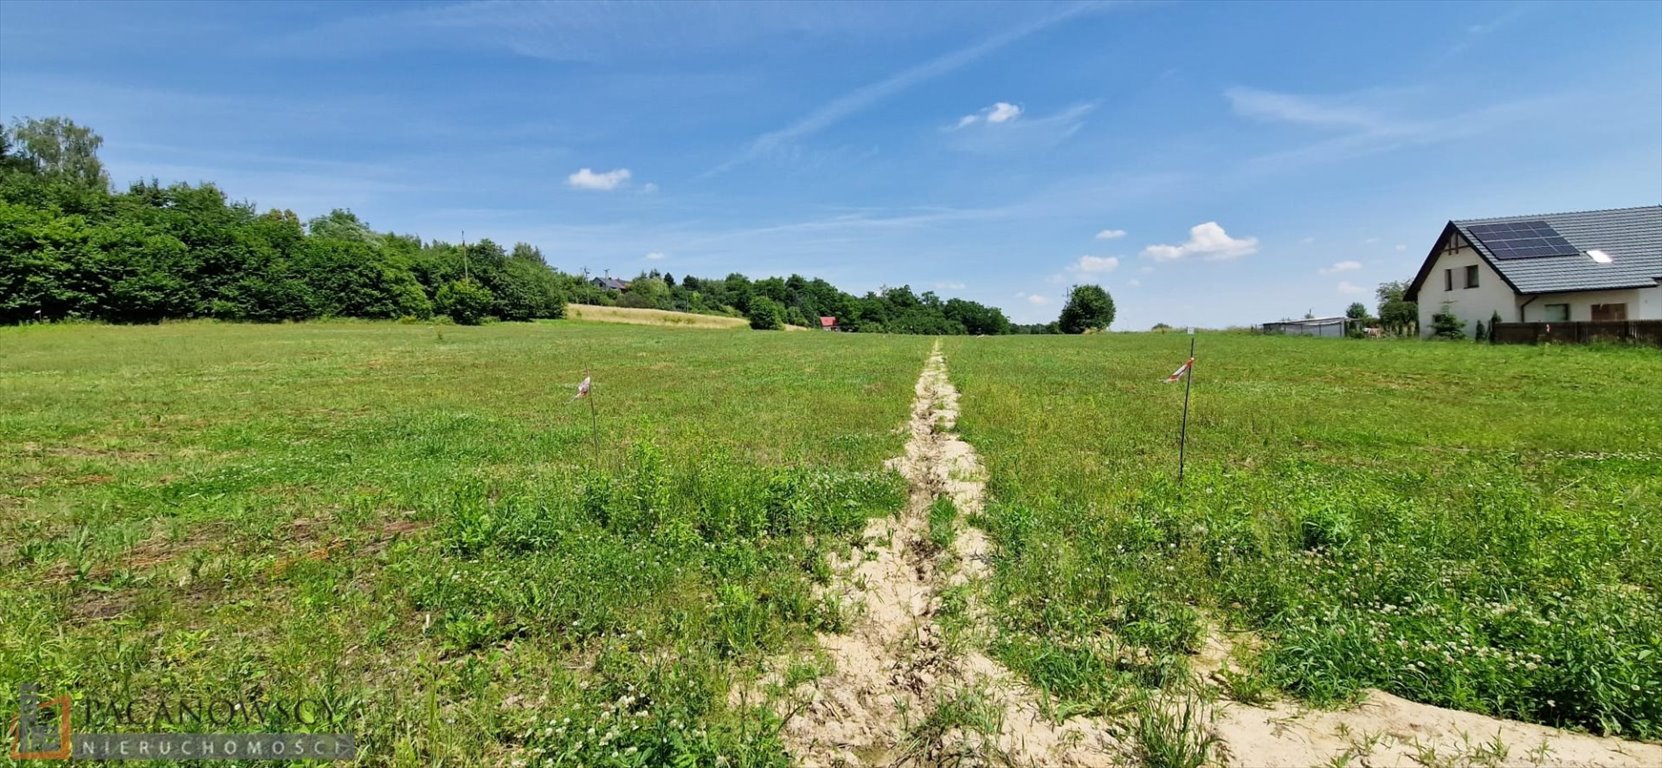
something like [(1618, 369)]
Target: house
[(1554, 267), (609, 284), (1331, 327), (828, 324)]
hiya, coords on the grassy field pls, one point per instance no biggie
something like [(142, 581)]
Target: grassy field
[(1470, 526), (411, 524), (416, 525)]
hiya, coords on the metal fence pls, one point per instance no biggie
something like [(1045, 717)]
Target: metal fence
[(1629, 331)]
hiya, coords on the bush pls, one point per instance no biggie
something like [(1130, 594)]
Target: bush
[(1447, 326), (766, 314), (464, 301)]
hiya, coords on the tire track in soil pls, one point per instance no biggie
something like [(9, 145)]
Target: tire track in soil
[(894, 666)]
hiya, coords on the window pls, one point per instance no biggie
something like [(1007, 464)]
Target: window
[(1471, 276), (1448, 279), (1556, 313), (1609, 313)]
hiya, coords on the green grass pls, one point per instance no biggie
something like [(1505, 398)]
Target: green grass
[(410, 523), (1470, 526)]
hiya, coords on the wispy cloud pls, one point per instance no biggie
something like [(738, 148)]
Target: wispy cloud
[(1021, 135), (1033, 298), (1095, 265), (1350, 289), (604, 182), (1343, 266), (1110, 234), (863, 98), (1001, 112), (950, 286), (655, 256), (1208, 241), (1364, 124)]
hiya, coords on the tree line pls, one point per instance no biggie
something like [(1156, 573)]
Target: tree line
[(71, 248)]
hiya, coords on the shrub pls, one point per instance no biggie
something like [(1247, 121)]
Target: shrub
[(766, 314), (464, 301), (1447, 326)]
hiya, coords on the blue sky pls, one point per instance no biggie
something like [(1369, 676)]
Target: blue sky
[(1210, 164)]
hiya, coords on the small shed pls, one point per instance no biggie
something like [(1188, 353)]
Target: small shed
[(1331, 327), (828, 323), (610, 284)]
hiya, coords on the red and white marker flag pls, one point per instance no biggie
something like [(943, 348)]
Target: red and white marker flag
[(582, 389), (1182, 370)]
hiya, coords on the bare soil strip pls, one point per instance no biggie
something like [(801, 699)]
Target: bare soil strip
[(898, 691), (898, 694), (1386, 731)]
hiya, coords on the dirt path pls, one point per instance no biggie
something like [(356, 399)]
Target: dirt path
[(901, 689), (1387, 731)]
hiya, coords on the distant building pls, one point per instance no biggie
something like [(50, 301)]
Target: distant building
[(1554, 267), (609, 284), (828, 324), (1333, 327)]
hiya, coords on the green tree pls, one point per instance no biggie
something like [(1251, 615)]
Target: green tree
[(648, 292), (465, 301), (1396, 314), (1089, 307), (1444, 325), (766, 314), (58, 148)]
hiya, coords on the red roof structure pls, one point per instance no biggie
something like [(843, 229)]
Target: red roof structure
[(828, 322)]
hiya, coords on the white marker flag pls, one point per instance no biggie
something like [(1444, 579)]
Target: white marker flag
[(1182, 370), (582, 388)]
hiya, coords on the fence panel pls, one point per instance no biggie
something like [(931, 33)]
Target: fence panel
[(1630, 331)]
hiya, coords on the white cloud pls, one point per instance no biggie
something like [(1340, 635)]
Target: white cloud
[(649, 188), (1110, 234), (1208, 241), (1343, 266), (587, 179), (1095, 264), (1401, 247), (655, 256), (1146, 270), (949, 286), (1001, 112), (1347, 287), (1033, 298), (1135, 283), (1308, 240), (1016, 136)]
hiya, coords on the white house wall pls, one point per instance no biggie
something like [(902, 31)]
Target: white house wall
[(1642, 304), (1470, 305)]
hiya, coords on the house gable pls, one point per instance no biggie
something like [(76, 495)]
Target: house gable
[(1452, 242)]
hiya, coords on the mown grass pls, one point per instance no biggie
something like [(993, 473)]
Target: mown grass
[(411, 523), (1470, 526)]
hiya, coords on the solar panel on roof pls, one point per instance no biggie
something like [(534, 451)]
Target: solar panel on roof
[(1522, 240)]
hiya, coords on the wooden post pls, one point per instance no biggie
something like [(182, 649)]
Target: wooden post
[(1183, 436)]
